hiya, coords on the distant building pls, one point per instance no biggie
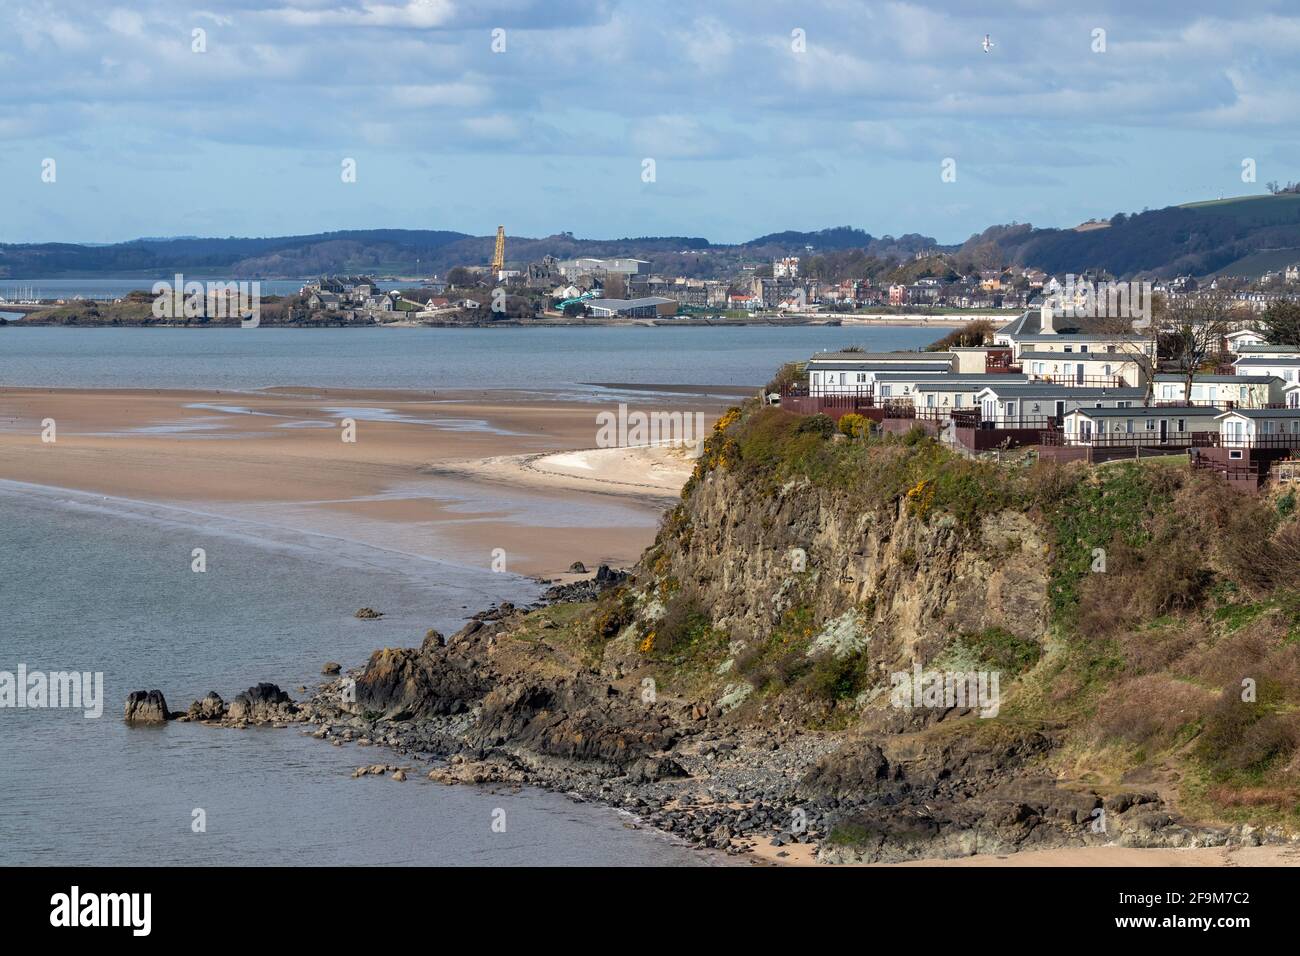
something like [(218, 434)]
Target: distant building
[(648, 307), (571, 268), (787, 268)]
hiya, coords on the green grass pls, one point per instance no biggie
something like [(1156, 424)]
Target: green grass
[(1115, 504)]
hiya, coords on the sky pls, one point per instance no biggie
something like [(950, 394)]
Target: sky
[(612, 118)]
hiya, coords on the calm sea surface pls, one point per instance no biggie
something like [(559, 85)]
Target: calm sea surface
[(421, 358), (96, 584)]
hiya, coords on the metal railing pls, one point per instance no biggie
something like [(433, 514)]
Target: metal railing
[(1140, 439), (1084, 381), (1016, 424), (1288, 440)]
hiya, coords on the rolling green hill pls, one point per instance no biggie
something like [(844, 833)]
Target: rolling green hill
[(1197, 238)]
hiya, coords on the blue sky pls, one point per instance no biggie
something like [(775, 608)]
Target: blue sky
[(749, 133)]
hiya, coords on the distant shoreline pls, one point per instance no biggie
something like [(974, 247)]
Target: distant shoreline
[(913, 321)]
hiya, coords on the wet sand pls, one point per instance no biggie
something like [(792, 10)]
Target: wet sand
[(467, 476)]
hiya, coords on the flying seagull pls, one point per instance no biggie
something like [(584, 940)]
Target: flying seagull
[(988, 44)]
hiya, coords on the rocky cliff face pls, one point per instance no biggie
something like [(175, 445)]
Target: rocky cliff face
[(915, 581)]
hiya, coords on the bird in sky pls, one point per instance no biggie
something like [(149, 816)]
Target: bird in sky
[(988, 44)]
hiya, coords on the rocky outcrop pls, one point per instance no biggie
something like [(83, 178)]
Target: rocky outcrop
[(368, 614), (265, 703), (438, 679), (575, 720), (211, 707), (147, 707)]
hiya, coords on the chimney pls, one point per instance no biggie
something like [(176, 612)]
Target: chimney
[(1047, 328)]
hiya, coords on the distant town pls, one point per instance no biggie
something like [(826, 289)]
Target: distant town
[(794, 289)]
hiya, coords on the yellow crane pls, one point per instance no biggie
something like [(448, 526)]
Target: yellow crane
[(499, 254)]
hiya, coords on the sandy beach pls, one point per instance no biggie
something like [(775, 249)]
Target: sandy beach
[(454, 475)]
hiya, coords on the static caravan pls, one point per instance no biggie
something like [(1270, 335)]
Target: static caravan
[(943, 360), (1083, 368), (1248, 391), (1030, 405), (902, 386), (1243, 339), (856, 378), (1284, 366), (1141, 425), (1260, 428), (1255, 351), (833, 373), (947, 395)]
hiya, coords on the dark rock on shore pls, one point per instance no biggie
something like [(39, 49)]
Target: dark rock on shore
[(589, 589), (331, 668), (440, 678), (147, 707), (211, 707), (264, 703), (575, 720), (368, 614)]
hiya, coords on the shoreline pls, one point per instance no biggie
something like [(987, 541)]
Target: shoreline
[(821, 321), (728, 791)]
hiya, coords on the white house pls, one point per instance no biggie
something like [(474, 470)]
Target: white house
[(1042, 330), (1249, 391), (1029, 405), (1154, 425)]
